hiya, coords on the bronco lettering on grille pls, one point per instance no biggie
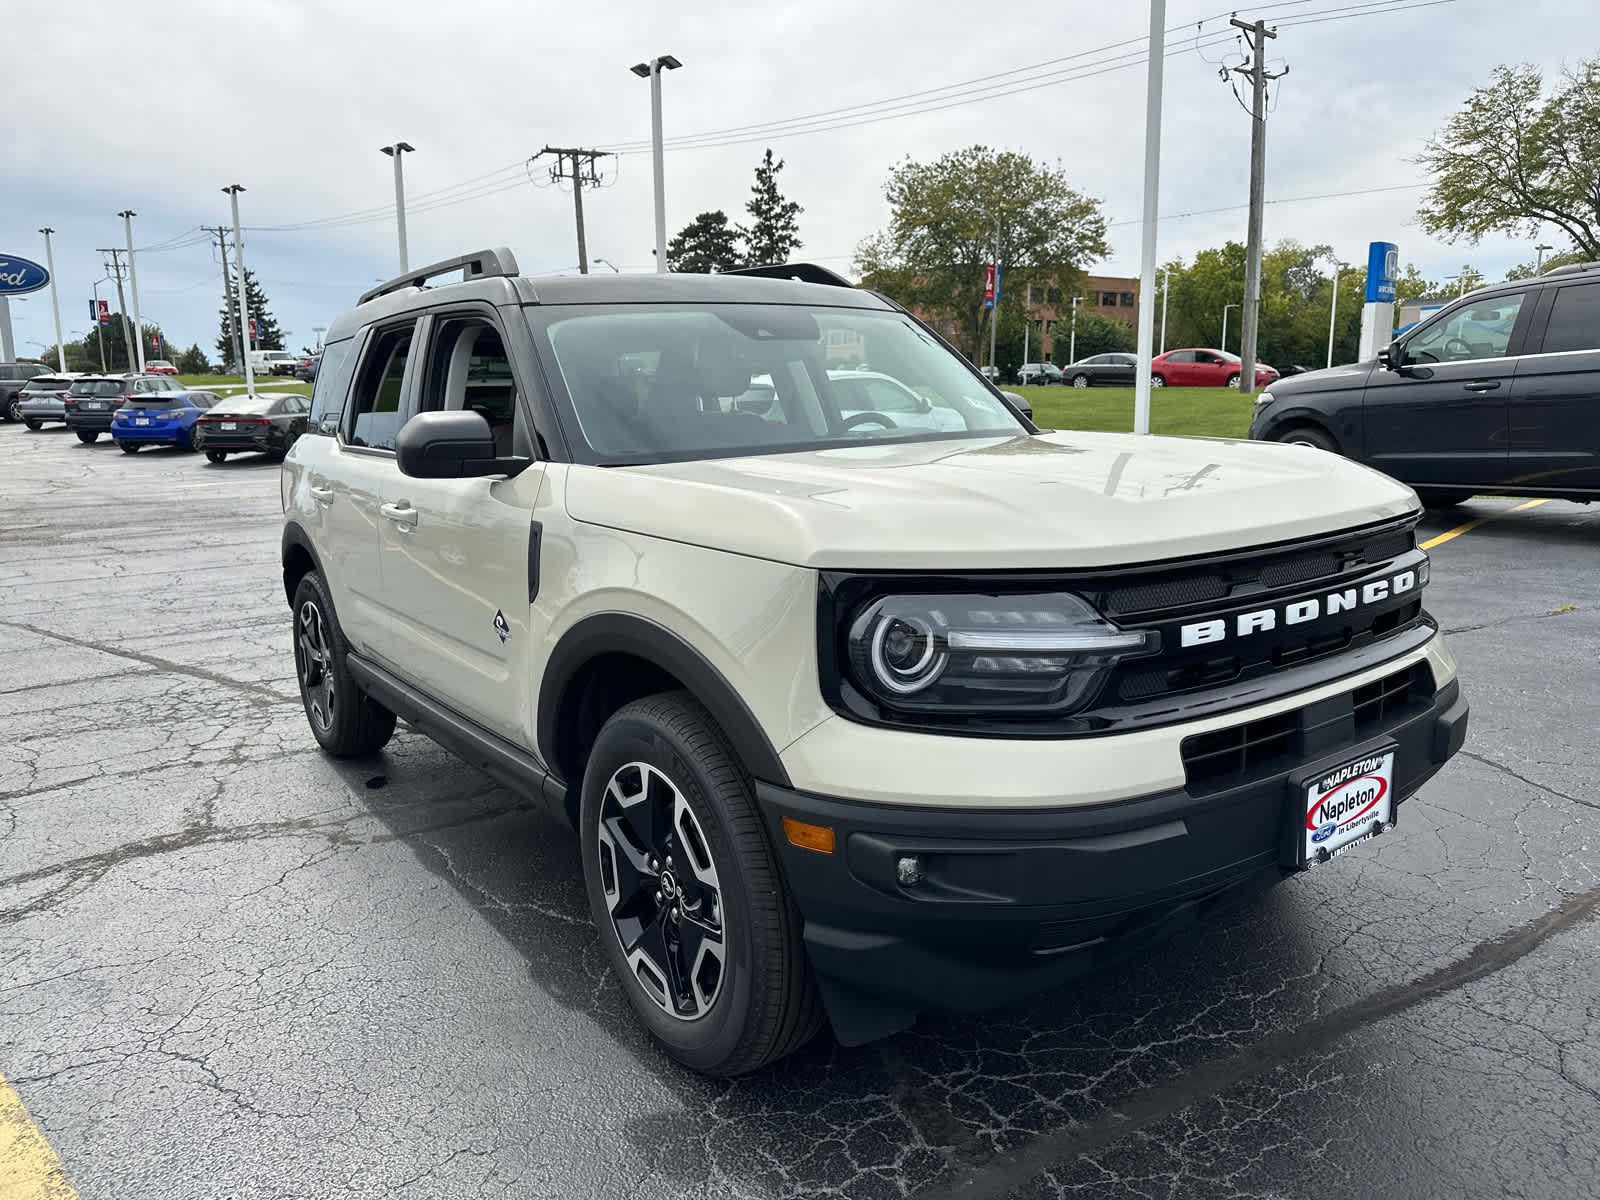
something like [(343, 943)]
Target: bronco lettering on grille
[(1260, 620)]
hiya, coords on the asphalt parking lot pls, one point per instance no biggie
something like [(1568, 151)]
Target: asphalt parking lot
[(234, 968)]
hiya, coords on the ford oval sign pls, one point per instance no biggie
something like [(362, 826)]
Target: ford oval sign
[(19, 276)]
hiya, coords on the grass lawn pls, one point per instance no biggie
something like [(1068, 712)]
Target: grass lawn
[(1205, 412), (228, 384)]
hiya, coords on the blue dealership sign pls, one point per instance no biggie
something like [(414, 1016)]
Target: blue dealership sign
[(19, 276), (1383, 268)]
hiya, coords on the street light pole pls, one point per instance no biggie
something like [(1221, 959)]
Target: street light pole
[(610, 264), (1166, 279), (99, 329), (1152, 195), (1225, 309), (133, 282), (652, 71), (55, 302), (394, 152), (233, 191), (994, 313), (1538, 265), (1072, 341), (1333, 309)]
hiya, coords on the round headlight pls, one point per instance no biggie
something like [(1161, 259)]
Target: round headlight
[(905, 654)]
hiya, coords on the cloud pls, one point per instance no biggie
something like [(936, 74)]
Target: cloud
[(293, 99)]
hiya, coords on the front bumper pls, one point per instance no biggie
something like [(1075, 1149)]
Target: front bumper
[(1016, 901)]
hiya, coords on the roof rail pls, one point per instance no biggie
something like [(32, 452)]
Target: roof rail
[(804, 272), (497, 260), (1570, 268)]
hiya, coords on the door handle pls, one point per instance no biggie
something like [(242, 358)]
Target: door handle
[(1483, 385), (321, 495), (401, 514)]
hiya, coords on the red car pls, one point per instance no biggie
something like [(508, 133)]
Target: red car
[(1203, 368), (160, 366)]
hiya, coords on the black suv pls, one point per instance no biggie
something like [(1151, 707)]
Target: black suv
[(13, 378), (1497, 393)]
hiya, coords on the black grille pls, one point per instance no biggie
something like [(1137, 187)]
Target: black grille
[(1298, 570), (1170, 593), (1241, 750), (1389, 545), (1385, 697), (1216, 760)]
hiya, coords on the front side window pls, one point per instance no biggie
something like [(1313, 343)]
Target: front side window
[(375, 410), (1181, 356), (663, 383), (1478, 330), (469, 371)]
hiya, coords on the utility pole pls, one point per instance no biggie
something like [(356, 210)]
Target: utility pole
[(1072, 343), (1538, 265), (582, 170), (122, 304), (1257, 33), (233, 190), (1027, 303), (235, 341), (1333, 309), (1166, 279), (99, 327), (127, 216)]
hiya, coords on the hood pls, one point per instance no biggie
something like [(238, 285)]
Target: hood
[(1043, 502), (1327, 379)]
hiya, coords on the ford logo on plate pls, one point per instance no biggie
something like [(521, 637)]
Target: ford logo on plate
[(19, 276), (1325, 832)]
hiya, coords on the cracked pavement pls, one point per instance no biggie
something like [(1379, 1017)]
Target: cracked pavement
[(234, 968)]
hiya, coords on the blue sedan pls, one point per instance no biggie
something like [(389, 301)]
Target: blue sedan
[(159, 419)]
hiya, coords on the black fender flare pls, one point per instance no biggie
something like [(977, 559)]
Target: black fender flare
[(296, 538), (624, 633)]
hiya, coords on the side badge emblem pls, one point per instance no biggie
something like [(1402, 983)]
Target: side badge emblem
[(500, 626)]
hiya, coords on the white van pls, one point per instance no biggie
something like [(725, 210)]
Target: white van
[(273, 362)]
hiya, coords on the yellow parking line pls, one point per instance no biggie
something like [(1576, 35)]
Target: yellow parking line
[(1460, 529), (29, 1169)]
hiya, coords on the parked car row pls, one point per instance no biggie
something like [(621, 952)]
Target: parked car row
[(1192, 367), (142, 409)]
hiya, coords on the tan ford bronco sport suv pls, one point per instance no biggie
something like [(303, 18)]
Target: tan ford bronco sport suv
[(858, 713)]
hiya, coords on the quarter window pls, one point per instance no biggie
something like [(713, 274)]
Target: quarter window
[(1480, 330), (333, 381), (376, 410), (1574, 319)]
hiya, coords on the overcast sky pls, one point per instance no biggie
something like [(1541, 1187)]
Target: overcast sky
[(159, 104)]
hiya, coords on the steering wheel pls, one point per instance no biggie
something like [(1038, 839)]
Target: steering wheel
[(1466, 350), (863, 418)]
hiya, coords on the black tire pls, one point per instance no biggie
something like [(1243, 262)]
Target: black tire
[(128, 447), (1156, 381), (1308, 435), (346, 722), (1080, 381), (216, 456), (14, 409), (88, 436), (1233, 382), (33, 426), (762, 1003)]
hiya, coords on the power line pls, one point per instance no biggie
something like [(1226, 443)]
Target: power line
[(1206, 212), (578, 165)]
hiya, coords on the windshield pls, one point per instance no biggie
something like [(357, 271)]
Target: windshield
[(97, 387), (681, 383)]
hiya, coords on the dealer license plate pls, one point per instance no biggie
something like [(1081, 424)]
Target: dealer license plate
[(229, 425), (93, 404), (141, 420), (1347, 805)]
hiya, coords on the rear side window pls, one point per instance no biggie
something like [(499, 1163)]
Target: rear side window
[(375, 403), (333, 382), (1574, 319)]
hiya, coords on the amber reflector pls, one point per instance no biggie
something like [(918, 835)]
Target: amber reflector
[(808, 836)]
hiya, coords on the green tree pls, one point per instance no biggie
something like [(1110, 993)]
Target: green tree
[(774, 232), (1094, 333), (1528, 270), (948, 216), (83, 354), (193, 361), (1514, 159), (706, 244), (269, 335)]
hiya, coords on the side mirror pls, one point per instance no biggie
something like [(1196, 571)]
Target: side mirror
[(1389, 357), (451, 445)]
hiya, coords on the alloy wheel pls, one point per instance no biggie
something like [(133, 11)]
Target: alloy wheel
[(1080, 381), (311, 660), (661, 889)]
